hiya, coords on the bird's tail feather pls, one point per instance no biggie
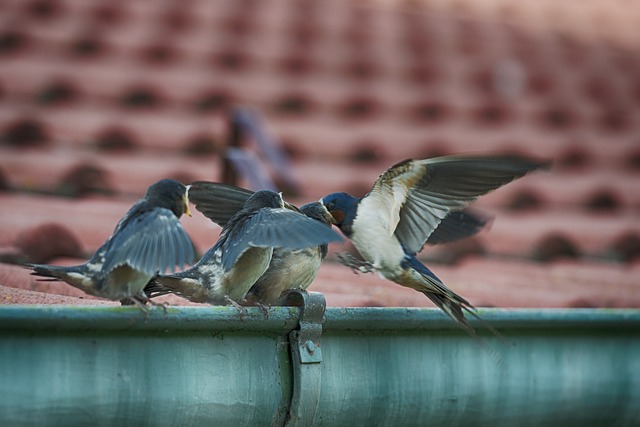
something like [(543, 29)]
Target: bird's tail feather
[(448, 301), (453, 306), (49, 273), (155, 289)]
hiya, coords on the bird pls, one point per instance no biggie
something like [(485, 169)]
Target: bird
[(296, 269), (244, 250), (147, 240), (291, 268), (394, 220)]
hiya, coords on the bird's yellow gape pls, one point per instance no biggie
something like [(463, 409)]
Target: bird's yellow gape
[(185, 200)]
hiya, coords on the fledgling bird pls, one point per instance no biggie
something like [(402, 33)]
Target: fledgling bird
[(391, 223), (244, 251), (291, 268), (296, 269), (149, 239)]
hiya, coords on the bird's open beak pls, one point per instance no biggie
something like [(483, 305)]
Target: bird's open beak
[(327, 215), (185, 200)]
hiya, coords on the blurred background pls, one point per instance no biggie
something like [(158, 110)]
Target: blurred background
[(99, 99)]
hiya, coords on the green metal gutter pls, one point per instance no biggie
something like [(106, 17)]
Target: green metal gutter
[(194, 366)]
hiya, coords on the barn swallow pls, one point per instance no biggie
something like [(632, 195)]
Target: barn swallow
[(244, 251), (288, 269), (149, 239), (296, 269), (291, 268), (391, 223)]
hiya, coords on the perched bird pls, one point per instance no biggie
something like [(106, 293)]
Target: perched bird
[(296, 269), (289, 268), (292, 268), (391, 223), (148, 240), (244, 251)]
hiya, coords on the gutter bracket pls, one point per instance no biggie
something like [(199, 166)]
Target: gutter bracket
[(306, 356)]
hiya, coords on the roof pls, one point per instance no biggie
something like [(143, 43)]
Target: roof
[(98, 100)]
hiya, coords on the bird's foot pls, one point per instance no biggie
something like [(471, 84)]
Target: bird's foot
[(142, 299), (356, 265), (262, 307), (241, 310), (140, 303)]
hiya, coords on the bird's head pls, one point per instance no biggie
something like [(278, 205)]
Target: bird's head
[(264, 199), (317, 211), (170, 194), (342, 207)]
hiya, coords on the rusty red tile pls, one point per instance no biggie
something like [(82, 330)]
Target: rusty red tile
[(97, 101)]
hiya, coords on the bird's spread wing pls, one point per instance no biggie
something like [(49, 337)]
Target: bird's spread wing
[(278, 228), (219, 202), (459, 225), (424, 192), (152, 242)]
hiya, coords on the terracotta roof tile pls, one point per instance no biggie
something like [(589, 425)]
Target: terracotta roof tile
[(98, 100)]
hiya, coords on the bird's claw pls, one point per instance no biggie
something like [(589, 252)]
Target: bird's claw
[(356, 265), (241, 310), (142, 299), (263, 308)]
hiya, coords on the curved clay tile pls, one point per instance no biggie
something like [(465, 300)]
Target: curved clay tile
[(555, 246), (367, 151), (13, 42), (558, 117), (115, 139), (298, 64), (142, 96), (58, 92), (525, 199), (25, 132), (362, 69), (361, 107), (202, 145), (493, 113), (44, 10), (215, 99), (576, 157), (293, 104), (109, 14), (614, 120), (626, 247), (432, 112), (232, 59), (603, 200), (44, 242), (84, 179), (423, 74), (87, 46), (159, 54)]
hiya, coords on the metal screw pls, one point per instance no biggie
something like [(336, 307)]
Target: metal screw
[(310, 346)]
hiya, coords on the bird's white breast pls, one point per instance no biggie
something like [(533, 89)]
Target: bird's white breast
[(373, 232)]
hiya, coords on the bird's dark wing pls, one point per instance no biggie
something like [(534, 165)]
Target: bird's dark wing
[(418, 194), (219, 202), (152, 242), (459, 225), (278, 228)]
